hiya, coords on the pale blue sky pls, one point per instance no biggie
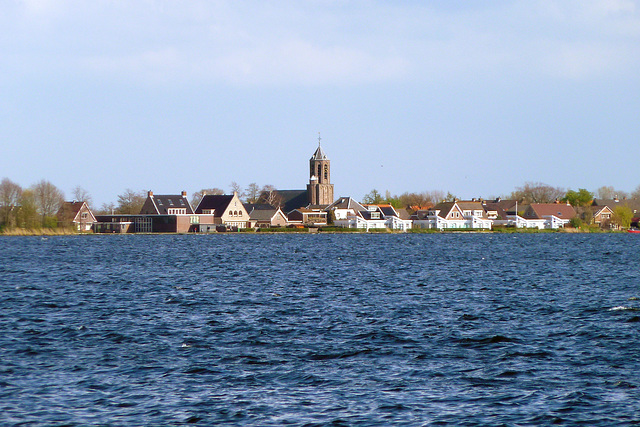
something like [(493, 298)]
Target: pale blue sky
[(472, 97)]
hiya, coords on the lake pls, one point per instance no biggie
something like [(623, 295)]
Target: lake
[(314, 330)]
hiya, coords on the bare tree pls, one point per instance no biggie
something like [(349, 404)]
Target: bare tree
[(81, 195), (537, 192), (252, 193), (106, 209), (606, 192), (421, 199), (48, 199), (130, 202), (198, 195), (271, 196), (10, 193), (236, 188)]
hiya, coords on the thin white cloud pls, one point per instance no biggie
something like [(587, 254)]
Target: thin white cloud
[(314, 43)]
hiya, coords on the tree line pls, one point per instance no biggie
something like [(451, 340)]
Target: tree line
[(37, 206)]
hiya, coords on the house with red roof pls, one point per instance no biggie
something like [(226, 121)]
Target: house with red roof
[(77, 215)]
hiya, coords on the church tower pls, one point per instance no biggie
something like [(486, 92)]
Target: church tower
[(320, 189)]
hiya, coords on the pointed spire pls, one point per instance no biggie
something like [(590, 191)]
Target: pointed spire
[(319, 154)]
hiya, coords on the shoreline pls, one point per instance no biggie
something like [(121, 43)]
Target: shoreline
[(55, 232)]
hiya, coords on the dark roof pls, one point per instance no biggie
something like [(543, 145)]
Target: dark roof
[(367, 215), (257, 206), (263, 214), (213, 201), (158, 204), (293, 199), (346, 203), (388, 210)]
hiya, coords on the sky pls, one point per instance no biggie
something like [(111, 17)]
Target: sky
[(469, 97)]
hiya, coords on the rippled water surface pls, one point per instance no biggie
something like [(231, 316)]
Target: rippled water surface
[(454, 329)]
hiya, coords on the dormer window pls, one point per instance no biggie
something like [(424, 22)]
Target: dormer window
[(159, 202), (170, 202)]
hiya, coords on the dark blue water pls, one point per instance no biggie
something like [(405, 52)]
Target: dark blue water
[(454, 329)]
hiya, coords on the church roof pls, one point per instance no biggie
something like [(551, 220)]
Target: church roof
[(319, 154)]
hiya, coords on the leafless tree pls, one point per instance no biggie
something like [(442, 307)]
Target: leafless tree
[(106, 209), (271, 196), (198, 195), (81, 195), (130, 202), (236, 188), (252, 193), (537, 192), (48, 199)]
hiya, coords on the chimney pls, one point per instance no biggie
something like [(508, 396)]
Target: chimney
[(184, 193), (150, 193)]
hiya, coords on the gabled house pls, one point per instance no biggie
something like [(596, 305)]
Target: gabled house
[(376, 216), (632, 204), (227, 210), (343, 207), (602, 216), (506, 213), (267, 217), (456, 214), (555, 215), (77, 215), (167, 204)]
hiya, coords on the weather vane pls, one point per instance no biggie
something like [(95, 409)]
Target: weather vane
[(319, 139)]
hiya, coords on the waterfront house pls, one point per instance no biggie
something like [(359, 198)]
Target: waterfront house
[(375, 216), (343, 207), (307, 216), (227, 210), (602, 216), (613, 204), (77, 215), (266, 216), (555, 215), (453, 215)]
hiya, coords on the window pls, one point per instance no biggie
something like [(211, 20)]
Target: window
[(195, 219), (326, 172), (84, 215), (170, 202), (159, 202)]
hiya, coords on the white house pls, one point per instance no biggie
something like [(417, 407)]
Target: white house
[(452, 215)]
